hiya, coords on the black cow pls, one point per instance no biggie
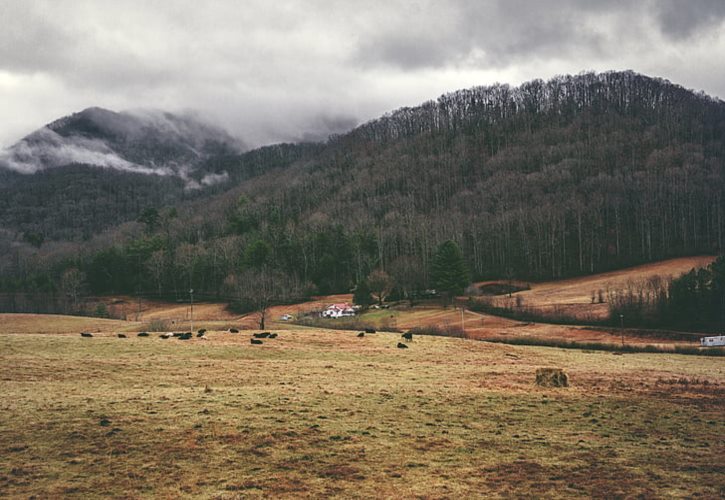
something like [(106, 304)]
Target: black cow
[(202, 331), (262, 335), (233, 330), (402, 346), (86, 334), (121, 336), (370, 330), (256, 341), (408, 335), (272, 335), (143, 334), (361, 334)]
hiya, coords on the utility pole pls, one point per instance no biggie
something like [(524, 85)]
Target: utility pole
[(463, 323), (191, 313)]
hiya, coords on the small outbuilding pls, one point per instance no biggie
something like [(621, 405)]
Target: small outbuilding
[(716, 341)]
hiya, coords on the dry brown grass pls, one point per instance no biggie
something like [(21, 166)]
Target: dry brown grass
[(59, 324), (485, 326), (574, 296), (319, 413)]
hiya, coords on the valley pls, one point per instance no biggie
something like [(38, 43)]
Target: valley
[(594, 199), (320, 412)]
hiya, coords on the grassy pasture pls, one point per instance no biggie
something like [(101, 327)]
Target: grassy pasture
[(573, 296), (323, 413)]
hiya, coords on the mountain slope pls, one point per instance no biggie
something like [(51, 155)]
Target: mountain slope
[(550, 179), (97, 168), (575, 175)]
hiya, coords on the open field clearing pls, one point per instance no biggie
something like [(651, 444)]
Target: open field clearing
[(485, 326), (574, 296), (324, 413), (210, 313), (60, 324)]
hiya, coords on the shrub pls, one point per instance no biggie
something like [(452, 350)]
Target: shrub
[(439, 331), (344, 323), (157, 325), (101, 310)]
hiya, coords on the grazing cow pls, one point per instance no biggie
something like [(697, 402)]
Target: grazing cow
[(272, 335), (184, 337), (370, 330), (361, 334), (256, 341), (121, 336), (143, 334), (165, 335), (202, 331), (233, 330), (86, 334), (262, 335), (408, 335), (200, 334), (402, 346)]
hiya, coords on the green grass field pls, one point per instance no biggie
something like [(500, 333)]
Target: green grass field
[(323, 413)]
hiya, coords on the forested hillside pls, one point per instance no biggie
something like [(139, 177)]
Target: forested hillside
[(575, 175)]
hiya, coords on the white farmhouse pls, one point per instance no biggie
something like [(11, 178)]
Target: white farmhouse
[(338, 311)]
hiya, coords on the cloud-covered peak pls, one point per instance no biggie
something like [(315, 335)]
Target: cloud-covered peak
[(139, 141)]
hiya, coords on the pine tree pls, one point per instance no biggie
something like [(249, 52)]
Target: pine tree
[(449, 273), (362, 296)]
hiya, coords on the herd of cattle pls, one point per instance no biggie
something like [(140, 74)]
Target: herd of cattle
[(255, 340)]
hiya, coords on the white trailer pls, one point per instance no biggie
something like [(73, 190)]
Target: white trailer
[(716, 341)]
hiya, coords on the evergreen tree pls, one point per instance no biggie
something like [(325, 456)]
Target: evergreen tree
[(449, 273), (258, 254), (362, 295)]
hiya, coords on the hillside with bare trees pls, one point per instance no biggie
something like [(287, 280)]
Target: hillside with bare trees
[(551, 179)]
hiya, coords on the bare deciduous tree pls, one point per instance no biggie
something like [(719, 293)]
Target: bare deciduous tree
[(72, 283)]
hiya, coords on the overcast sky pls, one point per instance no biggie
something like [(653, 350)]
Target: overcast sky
[(276, 70)]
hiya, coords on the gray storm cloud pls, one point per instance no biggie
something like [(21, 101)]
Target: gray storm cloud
[(294, 70), (679, 20)]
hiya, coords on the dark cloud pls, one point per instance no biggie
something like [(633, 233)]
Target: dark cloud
[(495, 33), (682, 19), (288, 70)]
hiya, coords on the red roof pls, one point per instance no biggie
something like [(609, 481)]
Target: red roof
[(343, 305)]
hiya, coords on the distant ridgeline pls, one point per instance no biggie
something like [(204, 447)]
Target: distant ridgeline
[(570, 176)]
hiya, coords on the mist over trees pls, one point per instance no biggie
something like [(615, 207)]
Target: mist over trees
[(575, 175)]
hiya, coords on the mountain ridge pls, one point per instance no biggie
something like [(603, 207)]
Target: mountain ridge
[(574, 175)]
